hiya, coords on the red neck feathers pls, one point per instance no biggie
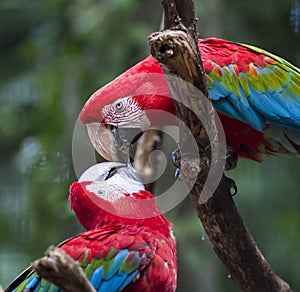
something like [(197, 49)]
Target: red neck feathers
[(137, 208)]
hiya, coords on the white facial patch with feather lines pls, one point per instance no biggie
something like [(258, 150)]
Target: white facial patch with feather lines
[(122, 110), (105, 192)]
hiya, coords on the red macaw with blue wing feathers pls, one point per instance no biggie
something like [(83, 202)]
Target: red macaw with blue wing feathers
[(256, 94), (128, 245)]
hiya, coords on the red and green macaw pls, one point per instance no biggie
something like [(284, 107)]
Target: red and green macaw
[(256, 95), (128, 245)]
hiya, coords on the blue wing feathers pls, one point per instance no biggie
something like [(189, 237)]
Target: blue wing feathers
[(115, 278), (271, 109), (114, 285), (238, 110), (117, 260), (97, 277), (119, 282), (112, 275), (217, 91), (268, 102), (33, 284), (226, 106), (258, 95)]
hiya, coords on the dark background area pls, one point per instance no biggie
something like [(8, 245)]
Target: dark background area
[(54, 55)]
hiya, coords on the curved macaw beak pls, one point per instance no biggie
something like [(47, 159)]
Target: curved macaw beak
[(102, 139), (113, 142), (114, 173)]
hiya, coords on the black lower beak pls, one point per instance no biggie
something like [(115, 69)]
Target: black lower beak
[(123, 139), (130, 135)]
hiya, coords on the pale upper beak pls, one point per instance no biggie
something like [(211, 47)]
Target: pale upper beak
[(113, 142), (102, 139)]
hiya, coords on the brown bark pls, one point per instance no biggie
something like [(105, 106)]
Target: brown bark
[(176, 49), (60, 269), (149, 142)]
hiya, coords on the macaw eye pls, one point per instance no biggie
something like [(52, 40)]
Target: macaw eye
[(119, 105)]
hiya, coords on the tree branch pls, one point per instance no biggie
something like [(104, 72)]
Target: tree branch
[(176, 49), (149, 142), (60, 269)]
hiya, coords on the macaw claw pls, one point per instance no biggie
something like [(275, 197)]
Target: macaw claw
[(232, 186), (231, 159), (176, 159)]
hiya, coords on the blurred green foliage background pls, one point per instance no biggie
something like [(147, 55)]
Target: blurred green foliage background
[(54, 54)]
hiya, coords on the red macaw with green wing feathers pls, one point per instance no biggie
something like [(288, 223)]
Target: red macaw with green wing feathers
[(256, 94), (128, 245)]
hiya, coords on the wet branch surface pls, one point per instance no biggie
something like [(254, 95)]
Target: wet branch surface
[(176, 49)]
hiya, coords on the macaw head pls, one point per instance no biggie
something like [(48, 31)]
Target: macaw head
[(127, 106), (109, 193)]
